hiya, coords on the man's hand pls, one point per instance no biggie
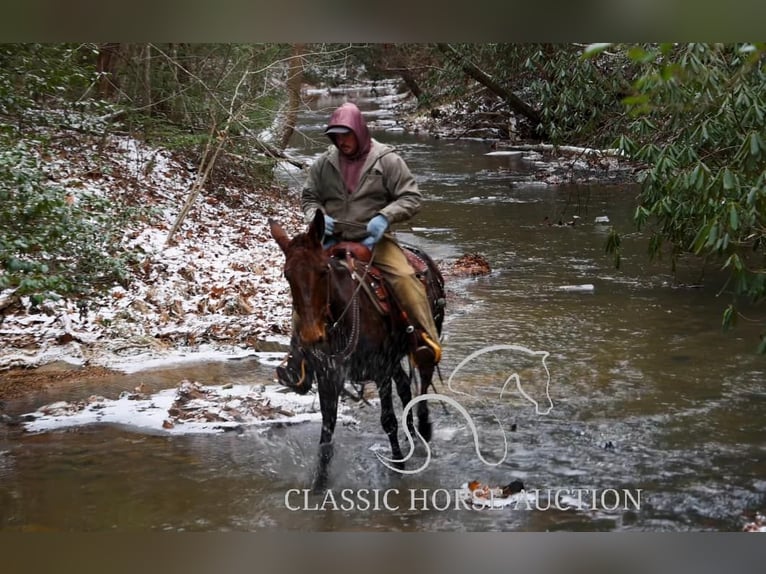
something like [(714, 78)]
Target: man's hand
[(376, 228)]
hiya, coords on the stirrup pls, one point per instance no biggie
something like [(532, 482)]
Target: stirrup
[(287, 375), (427, 354)]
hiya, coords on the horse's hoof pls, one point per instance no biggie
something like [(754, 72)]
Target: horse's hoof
[(426, 430)]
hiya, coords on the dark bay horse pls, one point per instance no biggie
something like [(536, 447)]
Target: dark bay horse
[(344, 337)]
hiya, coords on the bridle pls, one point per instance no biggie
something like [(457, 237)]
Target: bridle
[(351, 307)]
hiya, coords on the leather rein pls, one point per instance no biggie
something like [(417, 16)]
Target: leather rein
[(352, 306)]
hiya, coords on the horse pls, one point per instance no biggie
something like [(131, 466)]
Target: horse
[(343, 336)]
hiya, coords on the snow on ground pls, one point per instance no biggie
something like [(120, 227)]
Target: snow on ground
[(219, 288), (191, 408), (135, 363)]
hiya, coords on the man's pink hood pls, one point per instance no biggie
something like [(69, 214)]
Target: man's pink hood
[(349, 116)]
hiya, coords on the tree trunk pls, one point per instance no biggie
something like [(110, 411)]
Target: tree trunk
[(411, 83), (106, 66), (514, 102), (179, 106), (294, 83), (395, 56), (148, 79)]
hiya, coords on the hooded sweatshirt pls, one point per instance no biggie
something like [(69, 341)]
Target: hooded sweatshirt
[(353, 190), (349, 116)]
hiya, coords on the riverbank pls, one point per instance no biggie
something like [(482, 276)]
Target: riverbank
[(216, 291), (484, 116)]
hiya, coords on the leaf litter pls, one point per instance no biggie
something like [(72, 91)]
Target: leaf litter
[(215, 292), (218, 289)]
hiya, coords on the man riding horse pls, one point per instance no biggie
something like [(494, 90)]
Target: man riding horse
[(363, 187)]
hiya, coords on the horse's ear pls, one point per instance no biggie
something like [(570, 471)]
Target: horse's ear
[(279, 234), (316, 228)]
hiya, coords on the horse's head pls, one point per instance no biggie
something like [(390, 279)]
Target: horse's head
[(306, 270)]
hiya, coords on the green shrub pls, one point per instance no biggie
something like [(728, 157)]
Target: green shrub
[(698, 123), (50, 246)]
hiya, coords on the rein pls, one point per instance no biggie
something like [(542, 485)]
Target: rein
[(352, 306)]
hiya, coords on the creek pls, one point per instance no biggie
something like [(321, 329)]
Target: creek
[(648, 395)]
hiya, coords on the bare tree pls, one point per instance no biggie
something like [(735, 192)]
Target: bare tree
[(106, 67), (225, 117), (147, 63), (294, 83)]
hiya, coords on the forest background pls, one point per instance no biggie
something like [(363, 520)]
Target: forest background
[(691, 116)]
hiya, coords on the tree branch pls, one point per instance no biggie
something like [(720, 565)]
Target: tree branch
[(473, 71)]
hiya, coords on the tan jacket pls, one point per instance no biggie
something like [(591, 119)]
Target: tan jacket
[(386, 186)]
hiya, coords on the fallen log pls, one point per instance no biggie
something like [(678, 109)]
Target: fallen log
[(567, 149)]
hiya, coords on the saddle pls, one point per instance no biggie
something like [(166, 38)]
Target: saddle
[(351, 255)]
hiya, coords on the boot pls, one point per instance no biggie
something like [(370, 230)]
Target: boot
[(428, 353), (292, 373)]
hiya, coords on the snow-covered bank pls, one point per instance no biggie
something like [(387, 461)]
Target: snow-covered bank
[(191, 408), (217, 289)]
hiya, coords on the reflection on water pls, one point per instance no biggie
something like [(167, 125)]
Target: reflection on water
[(648, 393)]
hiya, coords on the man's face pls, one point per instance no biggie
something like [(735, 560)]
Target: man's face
[(347, 143)]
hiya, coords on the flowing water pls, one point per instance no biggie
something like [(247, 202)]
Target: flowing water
[(650, 400)]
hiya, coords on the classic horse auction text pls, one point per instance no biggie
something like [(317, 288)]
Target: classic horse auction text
[(442, 499)]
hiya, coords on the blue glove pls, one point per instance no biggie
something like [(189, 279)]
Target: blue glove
[(376, 228), (329, 225)]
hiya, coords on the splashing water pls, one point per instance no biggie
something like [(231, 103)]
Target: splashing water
[(388, 462)]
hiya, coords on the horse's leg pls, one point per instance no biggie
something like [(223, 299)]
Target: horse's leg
[(328, 404), (388, 420), (424, 423), (404, 390)]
